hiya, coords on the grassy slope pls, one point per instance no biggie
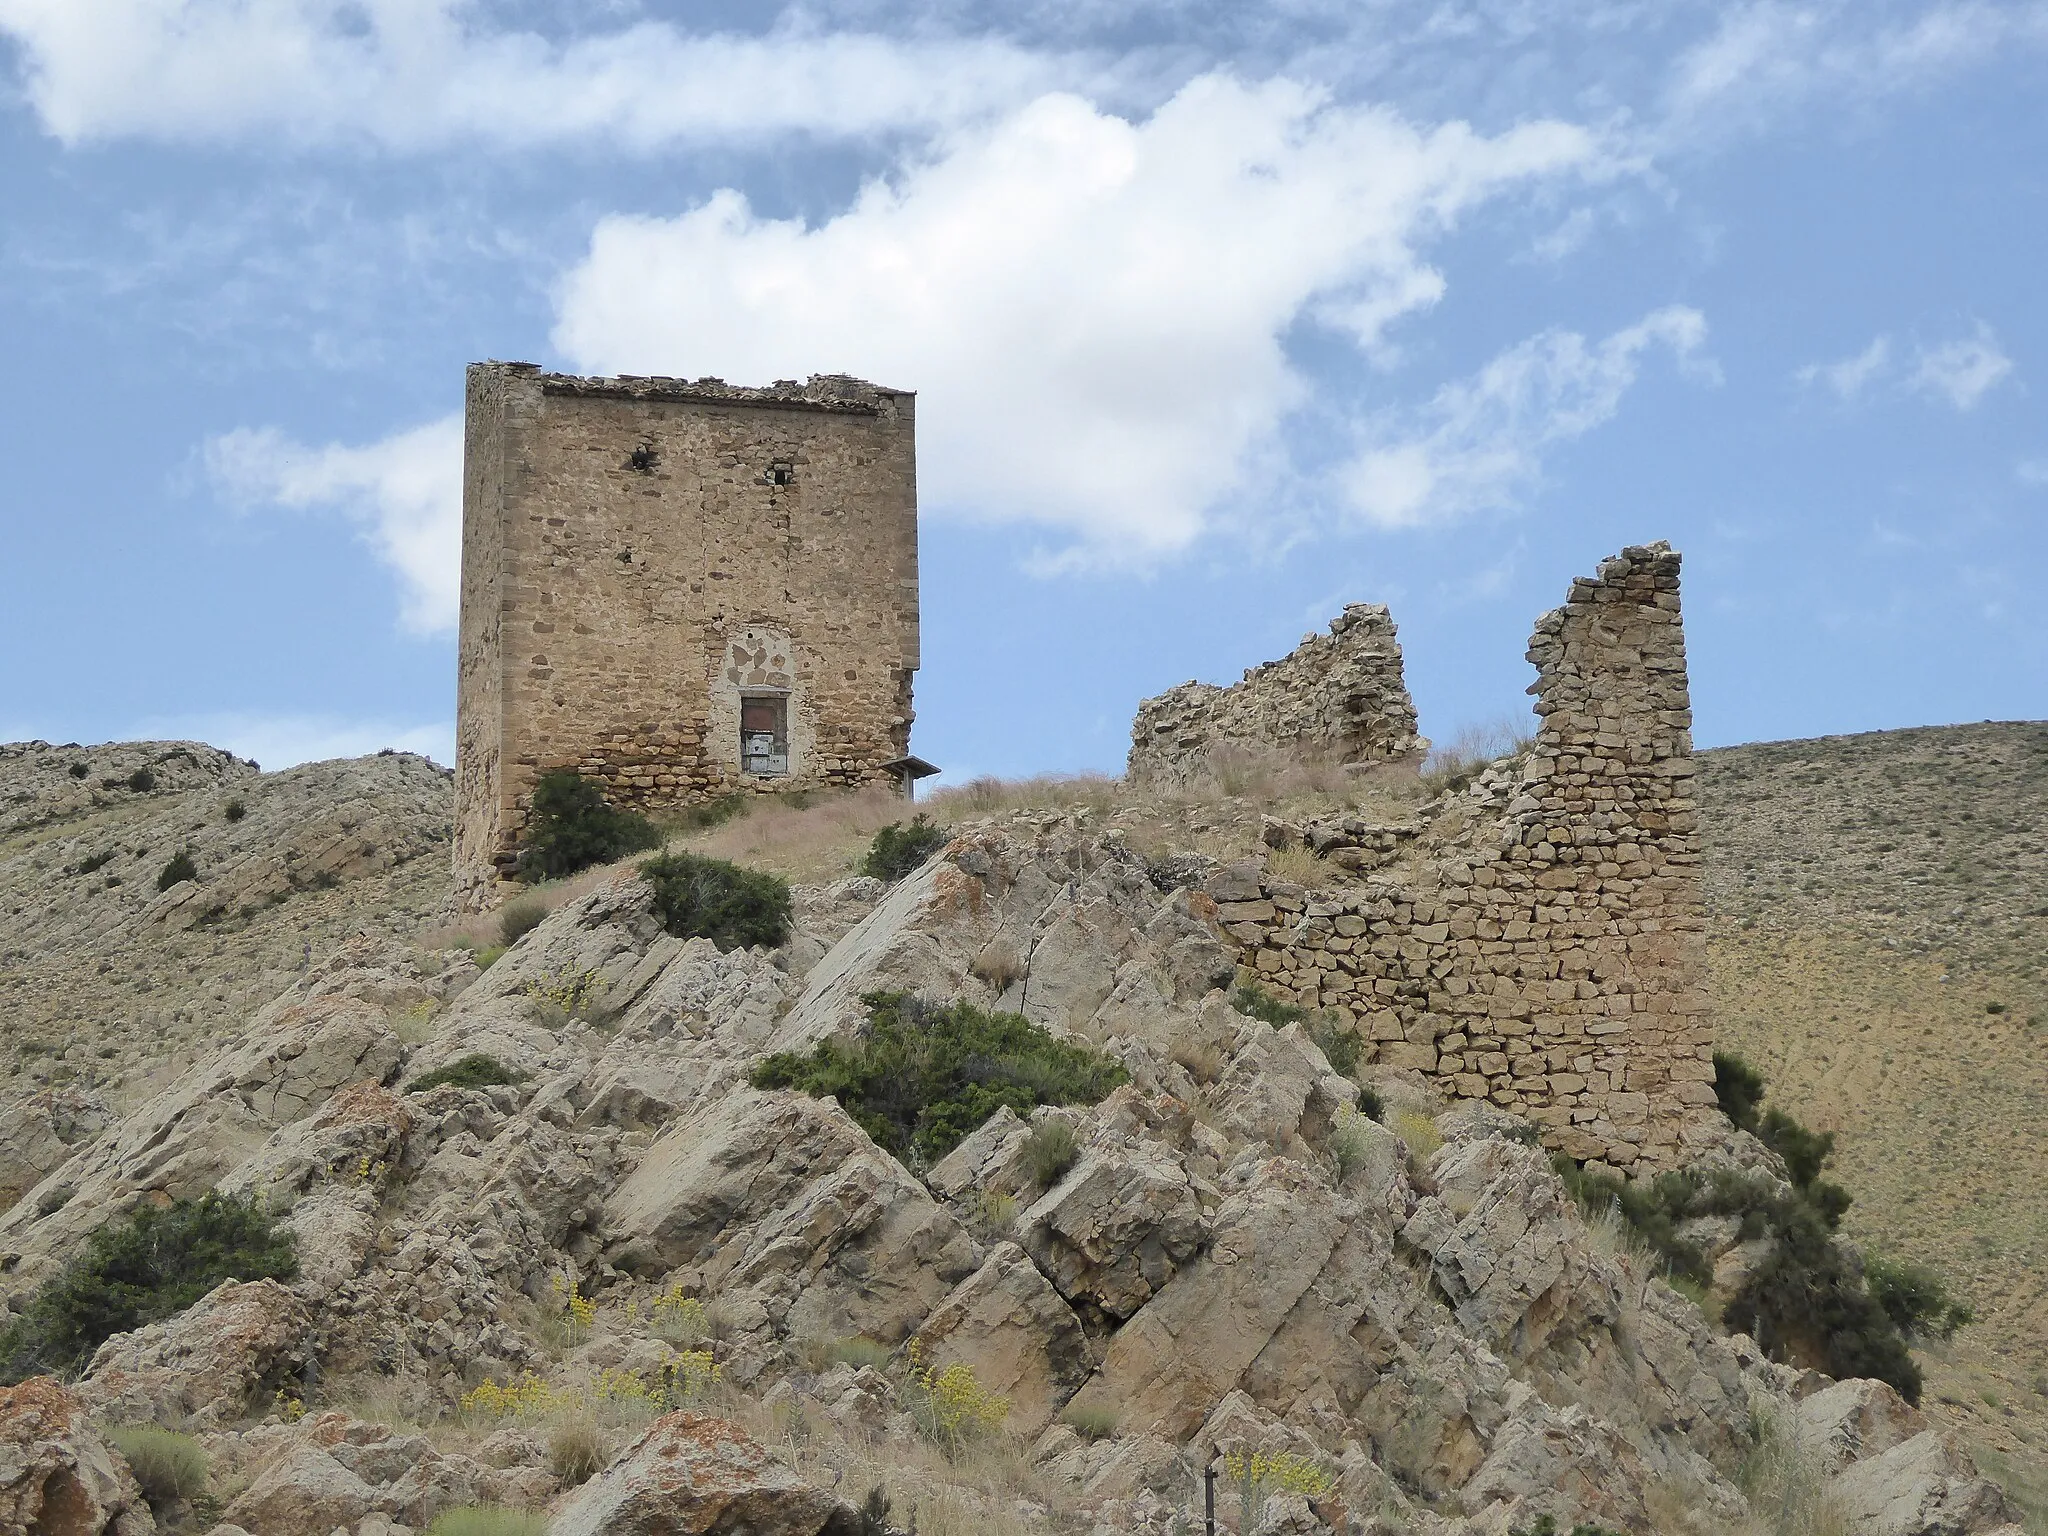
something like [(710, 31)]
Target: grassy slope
[(1873, 899)]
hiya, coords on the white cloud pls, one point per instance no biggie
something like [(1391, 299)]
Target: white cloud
[(1479, 443), (1852, 375), (404, 494), (1092, 309), (414, 74), (1962, 372), (282, 741)]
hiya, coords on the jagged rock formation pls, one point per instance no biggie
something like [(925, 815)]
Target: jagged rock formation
[(1236, 1260)]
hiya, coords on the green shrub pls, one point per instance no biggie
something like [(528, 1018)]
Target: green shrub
[(181, 867), (1050, 1150), (707, 814), (476, 1070), (79, 770), (1340, 1046), (919, 1078), (142, 781), (169, 1466), (1090, 1423), (1546, 1525), (521, 917), (1255, 1002), (572, 826), (234, 810), (710, 899), (98, 860), (1738, 1087), (901, 848), (488, 1520), (488, 956), (1915, 1298), (1371, 1105), (142, 1268)]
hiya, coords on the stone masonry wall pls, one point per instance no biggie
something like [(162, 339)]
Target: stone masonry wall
[(1537, 939), (1339, 695), (641, 554)]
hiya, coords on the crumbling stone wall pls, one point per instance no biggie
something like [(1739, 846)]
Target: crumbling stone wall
[(640, 556), (1340, 696), (1538, 938)]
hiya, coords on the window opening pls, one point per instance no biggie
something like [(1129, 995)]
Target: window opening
[(764, 734)]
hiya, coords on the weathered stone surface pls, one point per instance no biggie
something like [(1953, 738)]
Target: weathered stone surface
[(697, 1474), (1110, 1234), (1920, 1487), (1007, 1323), (207, 1365), (39, 1129), (57, 1477)]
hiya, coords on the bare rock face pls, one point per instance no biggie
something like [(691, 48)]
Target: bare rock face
[(57, 1477), (690, 1472), (1007, 1324), (208, 1365), (40, 1128)]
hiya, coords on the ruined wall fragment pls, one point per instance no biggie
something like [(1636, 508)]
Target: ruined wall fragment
[(1538, 939), (1339, 696)]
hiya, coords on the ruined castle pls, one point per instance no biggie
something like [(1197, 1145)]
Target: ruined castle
[(1535, 938), (680, 590)]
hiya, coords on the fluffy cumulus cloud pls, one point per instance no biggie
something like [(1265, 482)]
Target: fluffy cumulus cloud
[(1094, 310), (404, 494), (413, 74), (1479, 442), (1958, 373)]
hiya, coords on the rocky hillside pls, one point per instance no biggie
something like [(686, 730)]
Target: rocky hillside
[(607, 1277), (1880, 948)]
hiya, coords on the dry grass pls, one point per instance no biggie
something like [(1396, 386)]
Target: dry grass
[(1300, 866)]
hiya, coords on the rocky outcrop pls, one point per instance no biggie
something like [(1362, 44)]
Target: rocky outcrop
[(57, 1476), (691, 1472), (207, 1366)]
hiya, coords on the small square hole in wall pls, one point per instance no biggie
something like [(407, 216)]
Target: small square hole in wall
[(643, 459), (764, 734), (781, 472)]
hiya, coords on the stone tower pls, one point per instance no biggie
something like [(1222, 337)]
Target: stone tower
[(680, 590)]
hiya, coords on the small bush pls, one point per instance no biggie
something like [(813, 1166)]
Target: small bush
[(575, 1452), (1546, 1525), (1090, 1423), (1350, 1142), (476, 1070), (142, 781), (708, 898), (79, 770), (1340, 1046), (98, 861), (488, 1520), (1418, 1132), (860, 1353), (142, 1268), (950, 1407), (918, 1079), (1050, 1151), (169, 1466), (234, 810), (901, 848), (572, 826), (488, 956), (181, 867), (1915, 1298), (1738, 1087), (1371, 1105), (1255, 1002), (521, 917)]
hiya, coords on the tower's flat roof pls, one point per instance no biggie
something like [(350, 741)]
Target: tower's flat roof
[(820, 392)]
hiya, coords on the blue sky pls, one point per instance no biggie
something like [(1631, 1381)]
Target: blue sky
[(1221, 316)]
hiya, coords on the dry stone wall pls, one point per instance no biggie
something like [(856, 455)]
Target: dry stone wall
[(642, 557), (1340, 696), (1538, 938)]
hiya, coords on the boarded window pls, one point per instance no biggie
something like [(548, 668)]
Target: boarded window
[(764, 734)]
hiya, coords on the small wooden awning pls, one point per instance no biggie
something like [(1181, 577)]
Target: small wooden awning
[(910, 770)]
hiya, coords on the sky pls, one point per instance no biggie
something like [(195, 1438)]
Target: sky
[(1221, 316)]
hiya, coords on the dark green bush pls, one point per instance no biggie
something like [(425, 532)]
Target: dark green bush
[(79, 770), (521, 917), (234, 810), (98, 861), (572, 826), (1915, 1298), (1255, 1002), (920, 1078), (901, 848), (1739, 1087), (1340, 1046), (181, 867), (1370, 1104), (710, 899), (140, 1269), (142, 781), (476, 1070)]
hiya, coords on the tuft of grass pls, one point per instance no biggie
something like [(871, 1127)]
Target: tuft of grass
[(1452, 765), (919, 1078), (1350, 1142), (1255, 1002), (519, 917), (859, 1352), (902, 848), (1050, 1151), (476, 1070), (1418, 1132), (571, 826), (180, 868), (142, 1268), (706, 898), (170, 1467), (575, 1451), (488, 956), (488, 1520), (1341, 1047), (1090, 1423), (1301, 866)]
